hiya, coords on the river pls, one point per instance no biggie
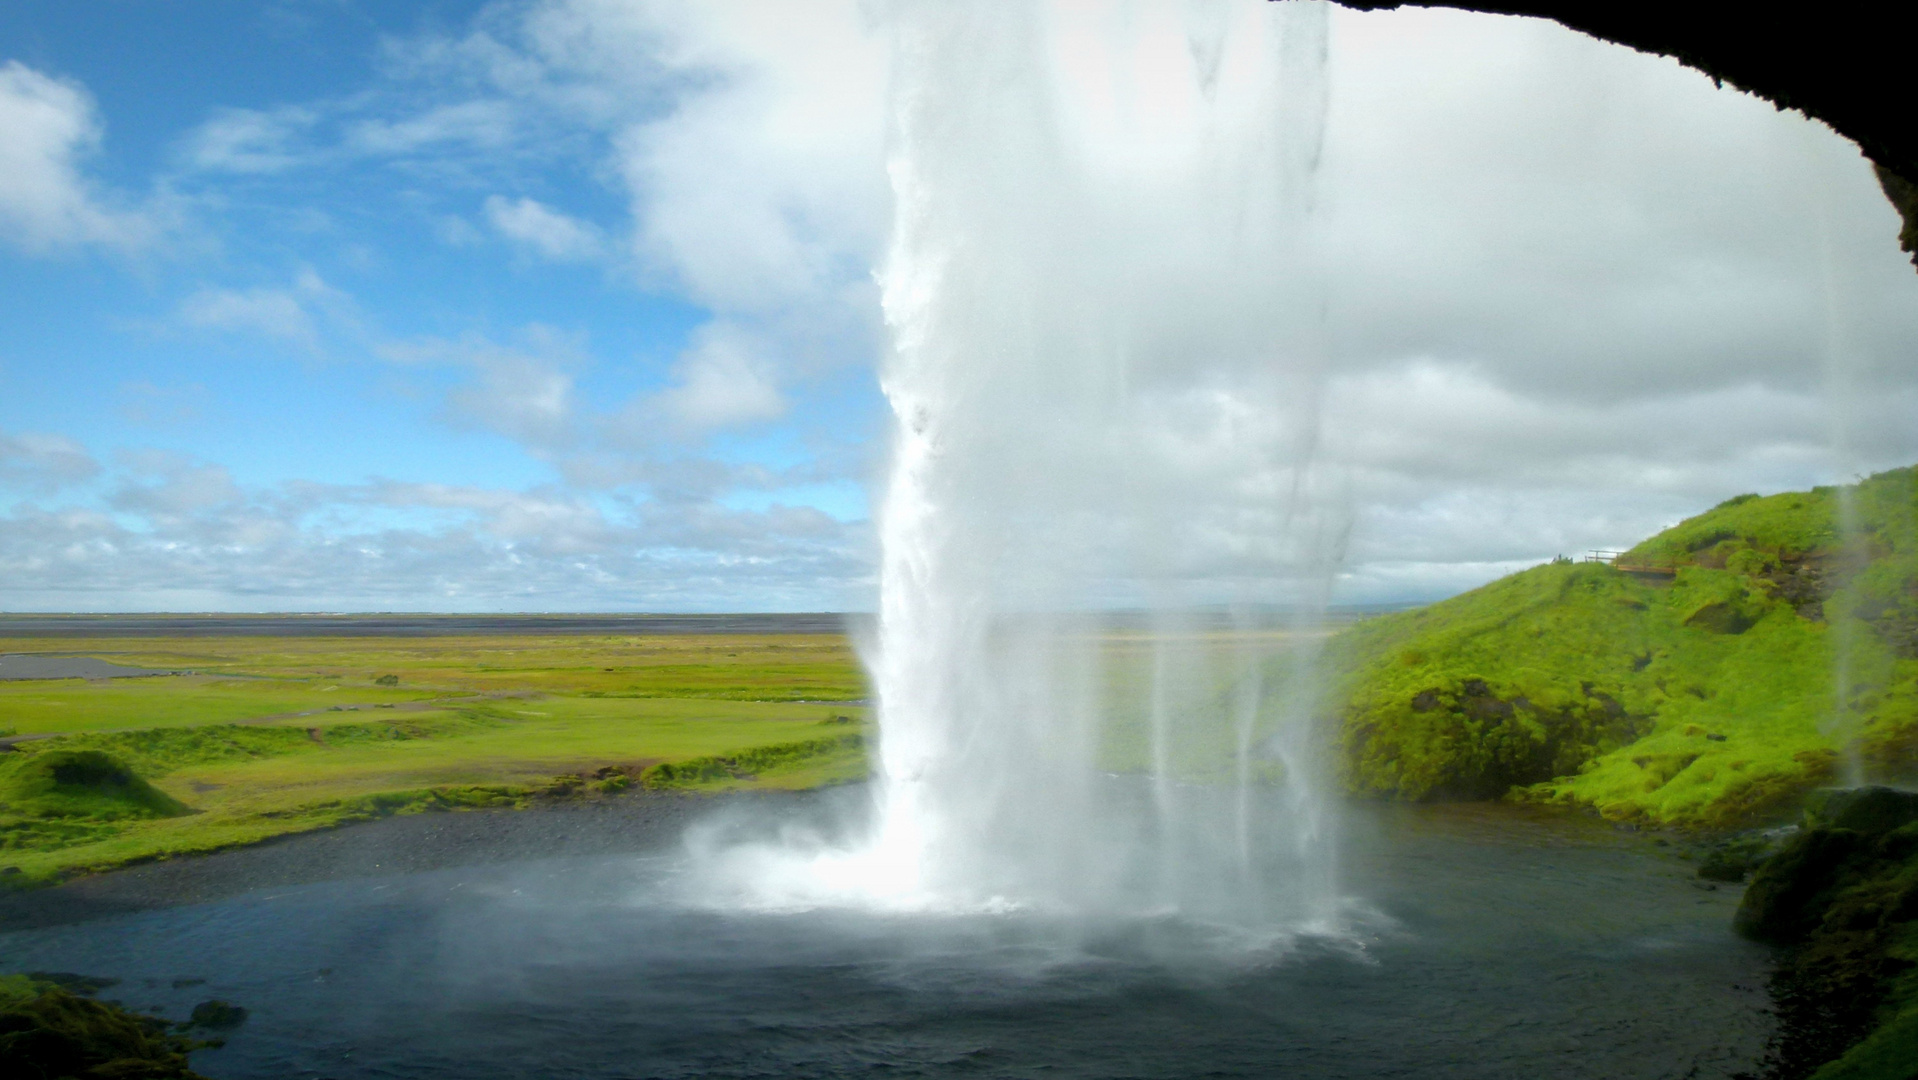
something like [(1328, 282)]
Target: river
[(1480, 942)]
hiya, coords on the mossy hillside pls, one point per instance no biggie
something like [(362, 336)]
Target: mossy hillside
[(1703, 696)]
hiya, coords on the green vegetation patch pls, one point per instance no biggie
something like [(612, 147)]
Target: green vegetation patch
[(1841, 897), (271, 736), (159, 751), (46, 1030), (34, 706), (244, 783), (1723, 679), (71, 783), (246, 677), (722, 770)]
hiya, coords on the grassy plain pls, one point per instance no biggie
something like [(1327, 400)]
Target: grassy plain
[(271, 735)]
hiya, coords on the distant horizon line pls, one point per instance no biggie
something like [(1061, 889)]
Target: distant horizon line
[(1387, 605)]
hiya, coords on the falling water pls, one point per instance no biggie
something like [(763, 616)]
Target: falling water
[(1106, 348), (1840, 364)]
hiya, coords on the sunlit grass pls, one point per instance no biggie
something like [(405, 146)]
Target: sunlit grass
[(32, 706), (745, 667), (279, 735), (1704, 698)]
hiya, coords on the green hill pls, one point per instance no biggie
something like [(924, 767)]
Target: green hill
[(81, 784), (1767, 646)]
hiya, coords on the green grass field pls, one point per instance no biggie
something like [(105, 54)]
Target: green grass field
[(276, 735)]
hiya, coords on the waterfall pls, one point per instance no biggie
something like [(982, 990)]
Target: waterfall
[(1104, 532)]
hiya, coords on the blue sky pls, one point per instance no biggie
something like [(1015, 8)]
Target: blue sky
[(325, 246), (568, 304)]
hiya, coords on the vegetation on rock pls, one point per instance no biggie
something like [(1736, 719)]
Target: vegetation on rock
[(48, 1030), (1842, 898), (1745, 654)]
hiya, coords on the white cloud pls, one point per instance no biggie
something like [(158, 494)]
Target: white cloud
[(273, 312), (168, 487), (1572, 293), (456, 231), (523, 391), (522, 397), (481, 124), (749, 140), (285, 313), (183, 535), (251, 140), (45, 201), (724, 379), (43, 462), (764, 188), (553, 235), (150, 405)]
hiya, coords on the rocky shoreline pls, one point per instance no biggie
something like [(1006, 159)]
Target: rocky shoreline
[(1840, 898)]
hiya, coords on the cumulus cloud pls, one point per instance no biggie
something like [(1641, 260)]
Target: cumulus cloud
[(522, 390), (251, 140), (1587, 221), (278, 312), (45, 200), (480, 124), (1565, 294), (749, 141), (168, 487), (273, 312), (763, 189), (518, 396), (151, 405), (43, 462), (552, 235), (182, 534), (1551, 266), (724, 379)]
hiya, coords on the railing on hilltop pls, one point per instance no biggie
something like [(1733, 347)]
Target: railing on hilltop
[(1619, 561)]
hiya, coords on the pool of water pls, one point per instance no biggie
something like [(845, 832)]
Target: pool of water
[(1480, 943)]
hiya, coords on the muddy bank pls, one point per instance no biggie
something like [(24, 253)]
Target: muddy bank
[(32, 666)]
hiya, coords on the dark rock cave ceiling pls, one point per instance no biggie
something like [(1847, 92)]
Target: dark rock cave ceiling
[(1845, 64)]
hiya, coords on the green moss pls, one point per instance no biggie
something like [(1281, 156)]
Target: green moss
[(1703, 697), (1890, 1052), (48, 1031), (77, 783), (718, 770), (1842, 898)]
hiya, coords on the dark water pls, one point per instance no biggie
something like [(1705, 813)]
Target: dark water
[(28, 666), (1496, 947)]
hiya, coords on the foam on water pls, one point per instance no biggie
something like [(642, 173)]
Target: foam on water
[(1104, 372)]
